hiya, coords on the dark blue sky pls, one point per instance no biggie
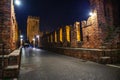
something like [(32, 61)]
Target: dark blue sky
[(52, 13)]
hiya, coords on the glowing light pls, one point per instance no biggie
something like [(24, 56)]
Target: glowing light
[(55, 36), (90, 13), (34, 42), (61, 39), (21, 36), (17, 2), (33, 39), (37, 36), (68, 33), (34, 48)]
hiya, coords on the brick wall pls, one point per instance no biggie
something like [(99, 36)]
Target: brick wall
[(104, 56), (8, 25), (11, 65)]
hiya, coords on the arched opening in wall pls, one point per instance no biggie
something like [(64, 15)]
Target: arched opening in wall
[(61, 39), (78, 31), (68, 33), (55, 36)]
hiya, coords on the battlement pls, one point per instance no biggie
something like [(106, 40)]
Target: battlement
[(33, 17)]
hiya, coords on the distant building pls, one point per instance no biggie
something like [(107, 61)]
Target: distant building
[(32, 27)]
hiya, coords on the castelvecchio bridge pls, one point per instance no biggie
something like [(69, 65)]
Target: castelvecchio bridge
[(96, 39)]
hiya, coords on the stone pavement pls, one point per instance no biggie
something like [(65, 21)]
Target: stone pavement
[(39, 64)]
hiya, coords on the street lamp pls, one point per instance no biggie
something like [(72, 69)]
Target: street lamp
[(21, 36), (33, 42), (38, 39), (91, 13), (21, 40)]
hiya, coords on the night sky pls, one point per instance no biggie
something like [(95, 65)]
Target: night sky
[(52, 13)]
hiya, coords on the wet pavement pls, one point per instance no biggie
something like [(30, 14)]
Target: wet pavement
[(38, 64)]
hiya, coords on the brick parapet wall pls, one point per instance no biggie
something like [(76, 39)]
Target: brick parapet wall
[(95, 55), (11, 66)]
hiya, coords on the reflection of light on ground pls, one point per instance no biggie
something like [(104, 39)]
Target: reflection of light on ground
[(29, 52), (36, 49), (23, 51)]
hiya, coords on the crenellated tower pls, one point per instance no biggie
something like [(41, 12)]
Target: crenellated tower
[(32, 27)]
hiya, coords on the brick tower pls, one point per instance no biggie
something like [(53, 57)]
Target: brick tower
[(32, 27)]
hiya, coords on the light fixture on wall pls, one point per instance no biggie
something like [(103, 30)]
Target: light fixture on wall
[(38, 38), (34, 42), (91, 13), (18, 2)]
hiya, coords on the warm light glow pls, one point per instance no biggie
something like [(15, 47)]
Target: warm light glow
[(17, 2), (55, 36), (33, 39), (34, 42), (61, 39), (68, 33), (78, 30)]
